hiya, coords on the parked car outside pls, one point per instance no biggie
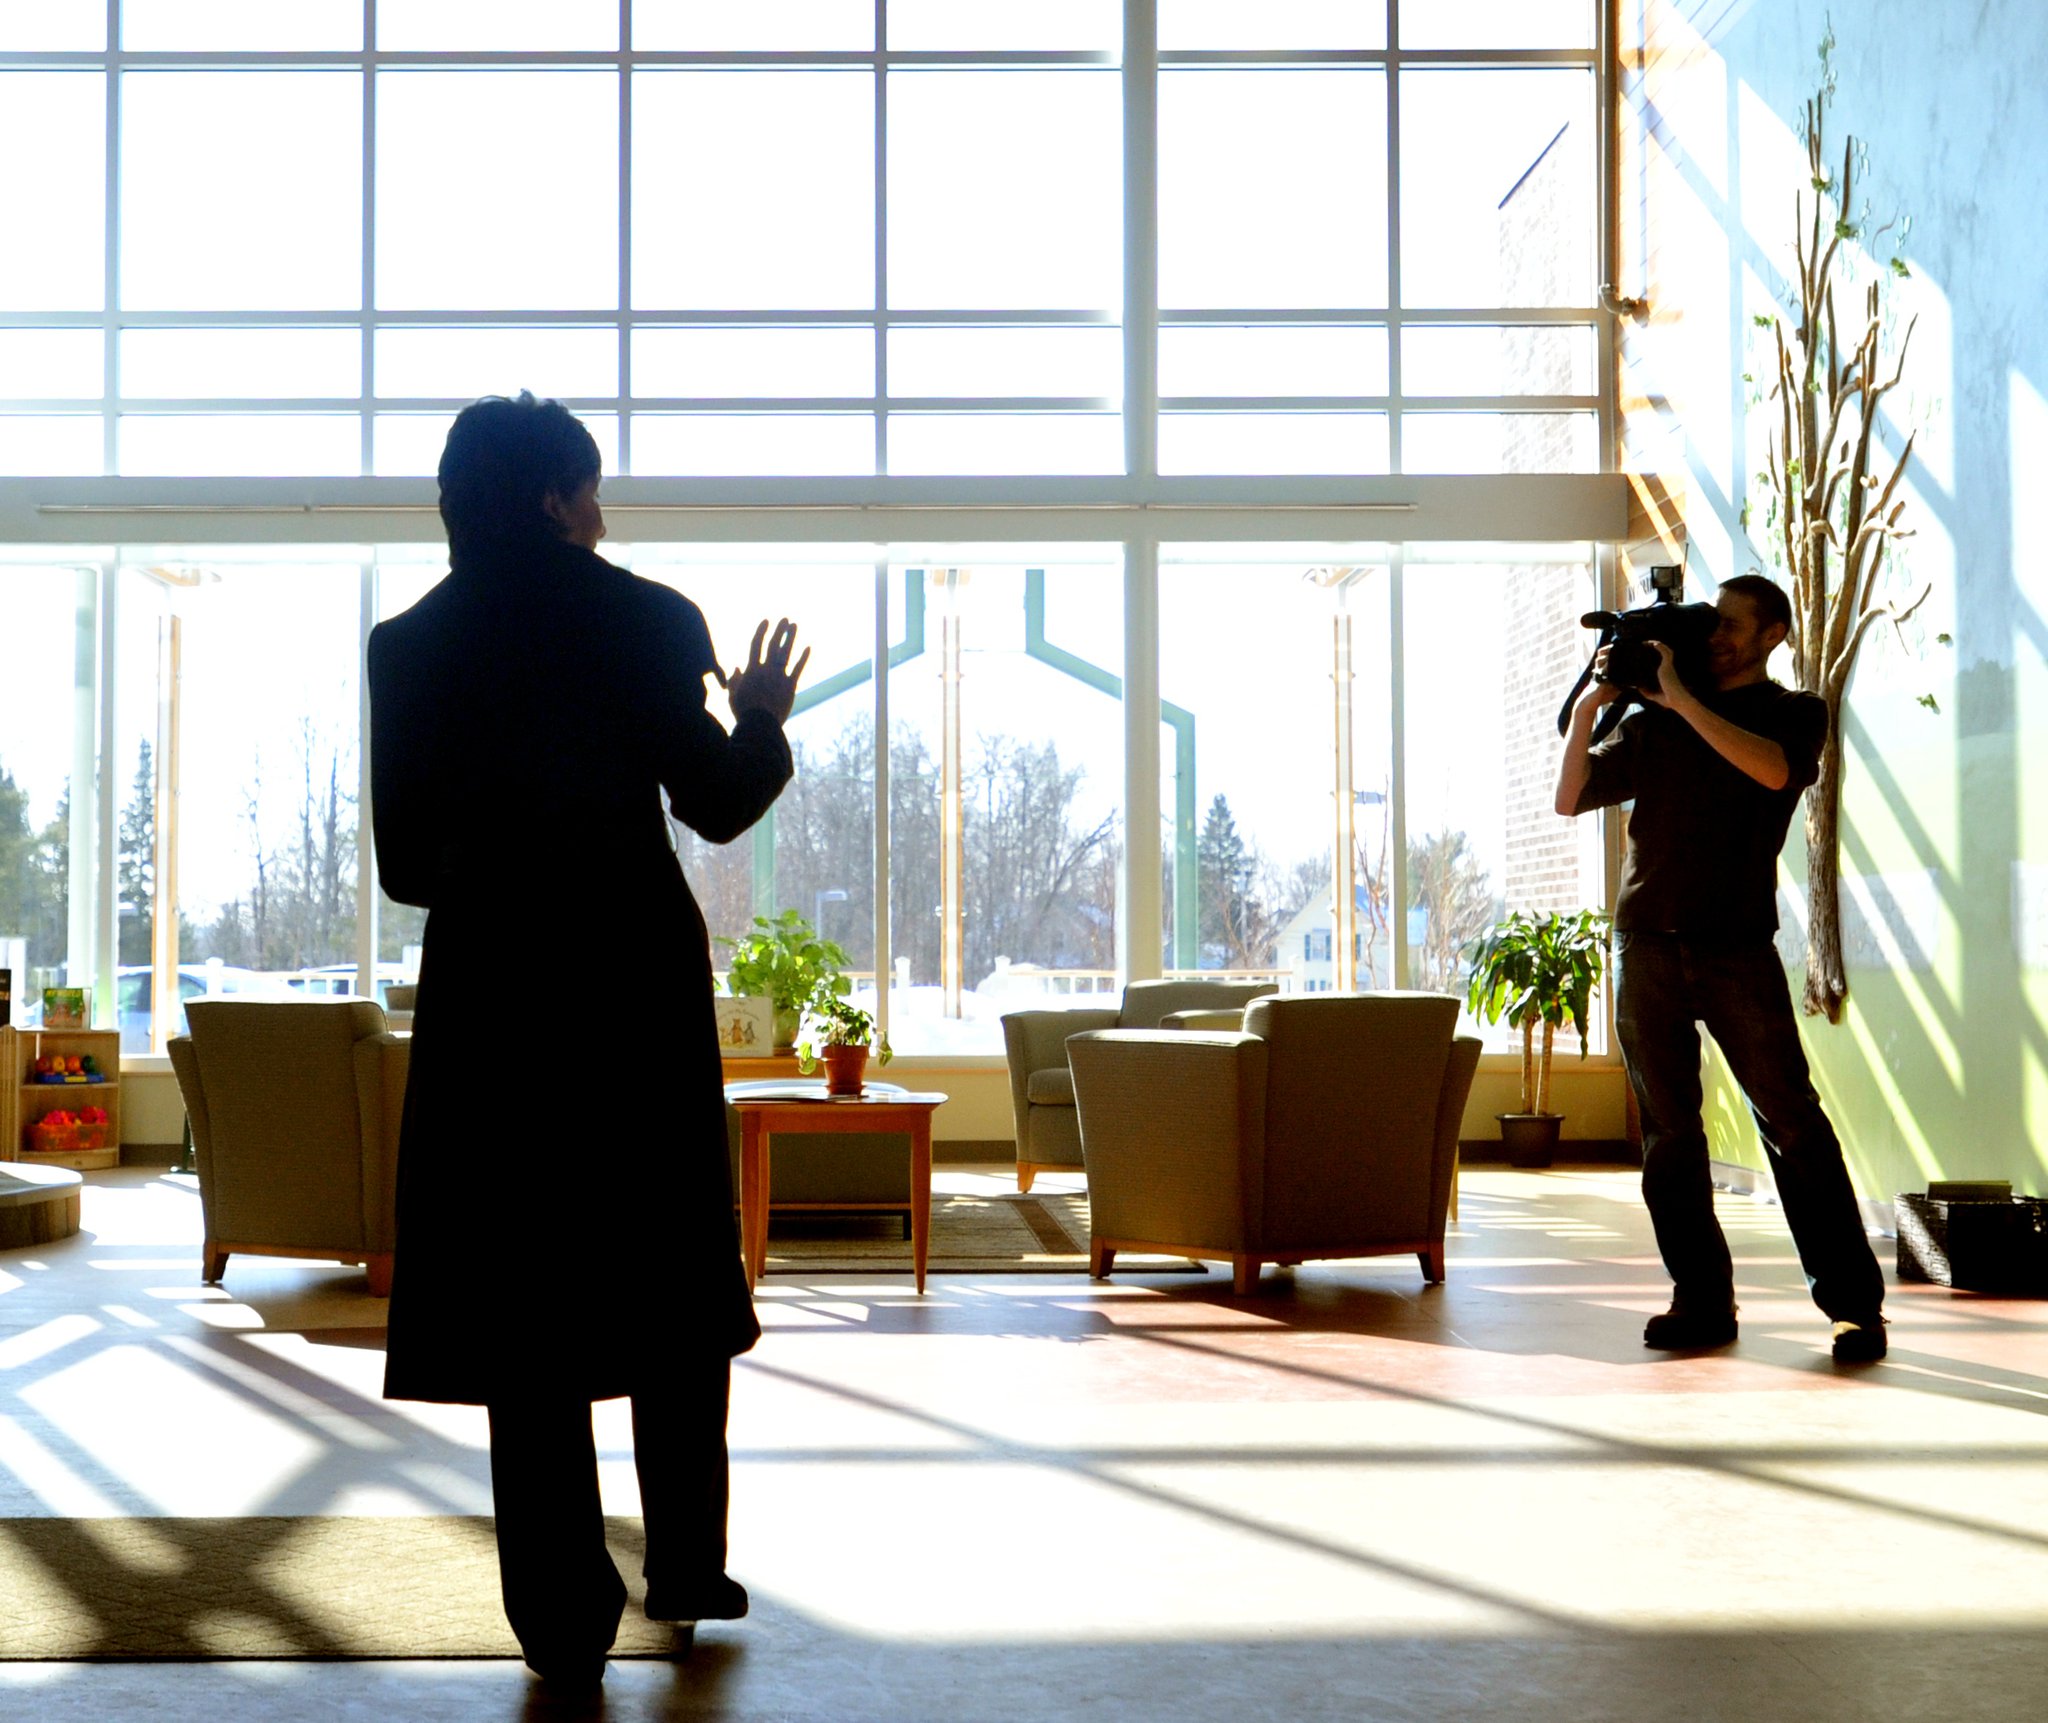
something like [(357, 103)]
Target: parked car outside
[(134, 986)]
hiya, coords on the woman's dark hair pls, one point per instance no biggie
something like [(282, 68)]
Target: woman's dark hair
[(1766, 597), (503, 458)]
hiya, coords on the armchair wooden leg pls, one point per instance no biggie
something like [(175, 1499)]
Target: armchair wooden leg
[(1244, 1275), (1026, 1172), (1432, 1261), (379, 1267), (213, 1262), (1101, 1258)]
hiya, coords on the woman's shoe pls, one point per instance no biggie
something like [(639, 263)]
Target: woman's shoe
[(566, 1669), (719, 1598)]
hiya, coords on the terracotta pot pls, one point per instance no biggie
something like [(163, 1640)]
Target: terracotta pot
[(844, 1069), (1530, 1139)]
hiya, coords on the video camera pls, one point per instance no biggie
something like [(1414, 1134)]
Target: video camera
[(1632, 662)]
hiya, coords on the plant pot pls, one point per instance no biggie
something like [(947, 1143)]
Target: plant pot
[(844, 1069), (788, 1020), (1530, 1139)]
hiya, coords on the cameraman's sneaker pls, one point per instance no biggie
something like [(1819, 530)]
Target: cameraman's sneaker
[(1860, 1342), (1680, 1330)]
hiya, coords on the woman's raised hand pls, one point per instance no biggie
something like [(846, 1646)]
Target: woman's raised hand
[(767, 681)]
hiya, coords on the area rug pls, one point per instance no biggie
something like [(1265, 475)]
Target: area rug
[(1007, 1233), (275, 1588)]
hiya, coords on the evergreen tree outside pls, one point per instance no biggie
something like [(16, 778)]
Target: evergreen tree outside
[(135, 868)]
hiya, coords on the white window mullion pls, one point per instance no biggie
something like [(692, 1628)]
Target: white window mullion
[(1141, 239)]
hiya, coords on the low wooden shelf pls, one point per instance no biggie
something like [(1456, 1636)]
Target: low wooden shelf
[(23, 1100)]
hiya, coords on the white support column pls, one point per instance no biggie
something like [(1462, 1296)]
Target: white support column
[(1397, 731), (1140, 910), (164, 955), (82, 798), (881, 678), (106, 950), (366, 859)]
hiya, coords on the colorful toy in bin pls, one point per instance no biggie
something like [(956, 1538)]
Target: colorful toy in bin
[(65, 1132), (68, 1068)]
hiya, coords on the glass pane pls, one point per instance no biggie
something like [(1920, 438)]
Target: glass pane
[(1006, 362), (404, 444), (1037, 792), (732, 26), (51, 364), (1484, 646), (788, 220), (1500, 214), (267, 813), (1496, 23), (466, 363), (54, 27), (815, 850), (1267, 360), (40, 619), (1500, 443), (1272, 442), (240, 363), (53, 141), (733, 444), (995, 443), (462, 167), (754, 362), (246, 26), (994, 205), (50, 444), (939, 25), (1247, 826), (1274, 24), (497, 25), (1530, 359), (240, 445), (211, 222), (1272, 188)]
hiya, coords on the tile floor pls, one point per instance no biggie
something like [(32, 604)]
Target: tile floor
[(1034, 1497)]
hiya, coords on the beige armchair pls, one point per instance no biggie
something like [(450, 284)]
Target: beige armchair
[(294, 1108), (1041, 1086), (1328, 1127)]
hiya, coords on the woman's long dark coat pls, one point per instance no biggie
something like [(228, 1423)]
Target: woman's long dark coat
[(565, 1216)]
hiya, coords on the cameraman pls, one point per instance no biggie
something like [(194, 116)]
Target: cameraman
[(1715, 777)]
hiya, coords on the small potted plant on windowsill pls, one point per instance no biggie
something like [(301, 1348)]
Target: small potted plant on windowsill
[(1537, 969), (785, 962), (839, 1034)]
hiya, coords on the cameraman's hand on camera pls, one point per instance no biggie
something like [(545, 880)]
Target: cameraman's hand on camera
[(766, 682), (1599, 692), (1670, 690)]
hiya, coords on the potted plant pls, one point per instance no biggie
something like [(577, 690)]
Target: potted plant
[(785, 962), (839, 1033), (1534, 969)]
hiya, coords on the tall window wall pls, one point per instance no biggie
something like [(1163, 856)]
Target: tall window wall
[(836, 238), (1045, 272)]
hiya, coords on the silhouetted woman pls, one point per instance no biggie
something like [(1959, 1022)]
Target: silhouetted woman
[(565, 1207)]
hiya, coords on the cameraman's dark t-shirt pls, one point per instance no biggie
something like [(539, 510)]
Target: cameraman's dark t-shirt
[(1704, 837)]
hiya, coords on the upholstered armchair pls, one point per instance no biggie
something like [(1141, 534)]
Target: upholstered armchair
[(294, 1107), (1327, 1127), (1042, 1088)]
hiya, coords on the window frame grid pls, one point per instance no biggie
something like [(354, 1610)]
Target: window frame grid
[(1140, 64)]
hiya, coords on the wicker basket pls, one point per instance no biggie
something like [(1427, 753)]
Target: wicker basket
[(1974, 1246), (45, 1138)]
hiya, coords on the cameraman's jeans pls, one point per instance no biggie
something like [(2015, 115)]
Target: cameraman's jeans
[(1666, 986)]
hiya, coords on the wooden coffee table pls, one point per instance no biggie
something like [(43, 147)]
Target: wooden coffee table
[(806, 1108)]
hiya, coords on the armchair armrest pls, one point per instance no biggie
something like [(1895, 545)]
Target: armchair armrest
[(382, 1064), (1229, 1021), (1173, 1134), (1037, 1041)]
